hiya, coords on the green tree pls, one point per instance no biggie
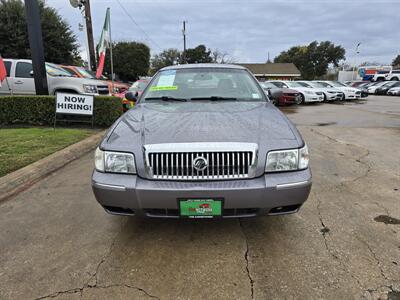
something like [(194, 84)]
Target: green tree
[(60, 44), (166, 58), (396, 61), (131, 60), (314, 59), (200, 54)]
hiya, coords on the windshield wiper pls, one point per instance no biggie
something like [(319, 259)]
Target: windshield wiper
[(166, 98), (215, 98)]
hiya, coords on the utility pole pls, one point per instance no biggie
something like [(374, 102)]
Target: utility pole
[(89, 30), (36, 46), (184, 42)]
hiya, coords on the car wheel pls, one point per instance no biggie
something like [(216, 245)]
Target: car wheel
[(343, 97), (394, 79), (379, 79), (325, 98), (303, 101)]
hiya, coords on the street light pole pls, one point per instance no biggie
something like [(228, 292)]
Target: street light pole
[(184, 42), (36, 45), (355, 61)]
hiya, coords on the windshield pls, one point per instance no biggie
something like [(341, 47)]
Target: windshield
[(316, 84), (85, 73), (203, 84), (325, 84), (293, 84), (53, 70), (268, 85), (337, 84), (304, 84)]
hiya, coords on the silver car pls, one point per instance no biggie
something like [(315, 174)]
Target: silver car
[(203, 141)]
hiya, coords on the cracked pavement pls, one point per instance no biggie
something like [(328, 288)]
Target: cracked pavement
[(57, 243)]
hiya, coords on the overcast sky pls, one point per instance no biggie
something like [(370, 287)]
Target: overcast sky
[(248, 30)]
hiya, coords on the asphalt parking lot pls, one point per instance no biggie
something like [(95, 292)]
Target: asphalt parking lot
[(56, 241)]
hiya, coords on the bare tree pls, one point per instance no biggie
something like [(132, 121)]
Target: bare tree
[(221, 57)]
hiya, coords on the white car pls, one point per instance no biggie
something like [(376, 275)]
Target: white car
[(330, 94), (307, 94), (395, 91), (393, 75), (379, 76), (349, 92), (372, 88), (21, 81)]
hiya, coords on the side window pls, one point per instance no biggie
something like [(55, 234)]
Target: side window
[(396, 72), (23, 70), (8, 67)]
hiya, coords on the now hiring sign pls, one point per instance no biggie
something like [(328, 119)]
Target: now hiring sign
[(74, 104)]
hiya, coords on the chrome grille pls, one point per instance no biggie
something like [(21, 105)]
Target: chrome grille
[(175, 161)]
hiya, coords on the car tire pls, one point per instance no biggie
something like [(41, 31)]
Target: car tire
[(325, 98), (303, 101), (343, 97), (394, 79), (380, 79)]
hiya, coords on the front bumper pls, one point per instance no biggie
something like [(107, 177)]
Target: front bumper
[(313, 98), (270, 194)]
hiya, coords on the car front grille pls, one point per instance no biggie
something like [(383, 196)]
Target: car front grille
[(103, 90), (201, 161)]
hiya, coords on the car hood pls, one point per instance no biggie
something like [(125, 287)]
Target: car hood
[(305, 89), (177, 122)]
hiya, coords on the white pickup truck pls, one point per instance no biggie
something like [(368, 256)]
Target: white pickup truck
[(393, 75), (21, 82)]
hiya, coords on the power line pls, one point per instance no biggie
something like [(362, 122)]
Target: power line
[(134, 22)]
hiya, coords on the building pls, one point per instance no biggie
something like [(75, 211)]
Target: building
[(268, 71)]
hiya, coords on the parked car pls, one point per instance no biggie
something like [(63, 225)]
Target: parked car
[(394, 91), (374, 85), (202, 134), (58, 80), (393, 75), (137, 89), (281, 96), (382, 90), (306, 94), (330, 94), (119, 87), (349, 92), (356, 84)]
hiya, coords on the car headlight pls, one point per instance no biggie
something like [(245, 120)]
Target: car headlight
[(114, 162), (91, 89), (309, 92), (287, 160)]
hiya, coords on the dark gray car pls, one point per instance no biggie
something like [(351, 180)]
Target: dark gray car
[(202, 141)]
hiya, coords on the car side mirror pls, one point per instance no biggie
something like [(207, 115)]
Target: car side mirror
[(131, 96), (31, 73)]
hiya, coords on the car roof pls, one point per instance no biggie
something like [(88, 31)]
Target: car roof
[(210, 65)]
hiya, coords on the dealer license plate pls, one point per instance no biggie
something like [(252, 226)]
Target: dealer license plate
[(200, 208)]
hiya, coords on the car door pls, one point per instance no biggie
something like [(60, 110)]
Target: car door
[(6, 85), (23, 82)]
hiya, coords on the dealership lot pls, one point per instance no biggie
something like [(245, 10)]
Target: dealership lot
[(344, 243)]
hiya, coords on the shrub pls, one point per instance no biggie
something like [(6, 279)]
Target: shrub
[(39, 110)]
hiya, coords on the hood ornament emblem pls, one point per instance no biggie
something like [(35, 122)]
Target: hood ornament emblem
[(200, 163)]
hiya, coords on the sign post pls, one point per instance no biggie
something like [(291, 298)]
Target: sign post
[(74, 104)]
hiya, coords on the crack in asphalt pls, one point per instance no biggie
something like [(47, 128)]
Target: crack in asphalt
[(80, 290), (87, 285), (246, 257), (378, 262), (324, 232)]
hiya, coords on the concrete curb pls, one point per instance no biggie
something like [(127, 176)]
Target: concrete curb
[(22, 179)]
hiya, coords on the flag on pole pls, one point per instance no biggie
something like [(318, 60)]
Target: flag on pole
[(105, 42), (3, 71)]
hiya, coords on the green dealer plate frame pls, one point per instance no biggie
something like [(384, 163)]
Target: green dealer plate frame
[(200, 208)]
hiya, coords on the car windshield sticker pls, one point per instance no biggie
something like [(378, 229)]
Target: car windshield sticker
[(167, 78), (255, 96), (164, 88)]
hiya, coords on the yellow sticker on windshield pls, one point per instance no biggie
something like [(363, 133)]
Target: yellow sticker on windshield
[(164, 88)]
